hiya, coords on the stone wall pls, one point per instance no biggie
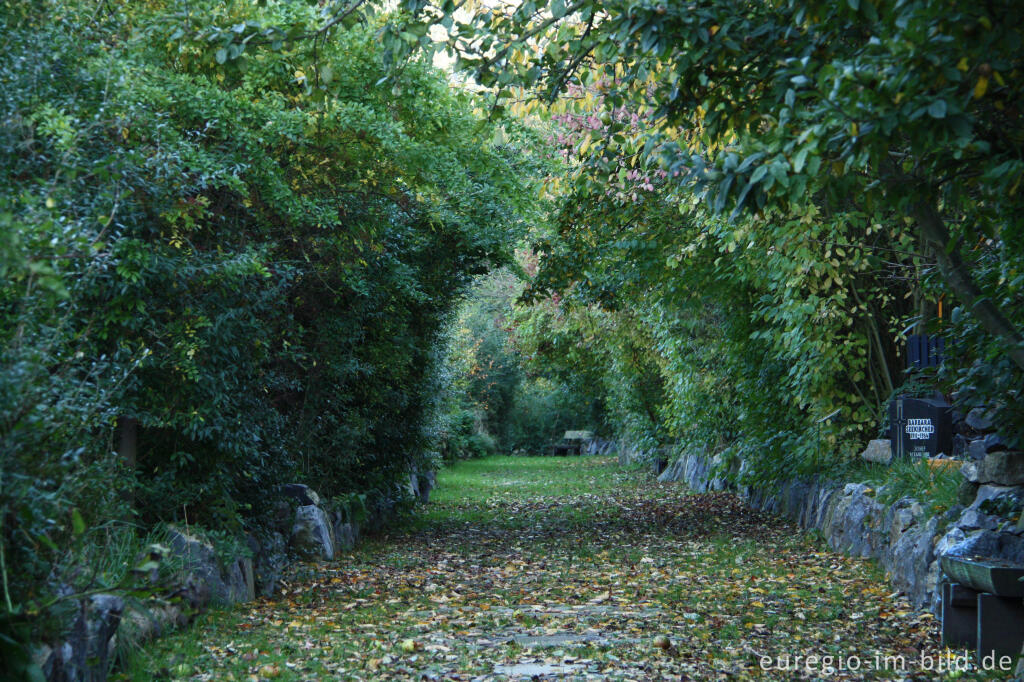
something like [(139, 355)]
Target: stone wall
[(302, 525), (899, 536)]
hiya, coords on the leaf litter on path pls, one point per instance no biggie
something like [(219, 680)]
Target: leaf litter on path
[(630, 580)]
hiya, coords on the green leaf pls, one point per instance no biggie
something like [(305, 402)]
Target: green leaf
[(77, 522), (937, 109), (221, 55)]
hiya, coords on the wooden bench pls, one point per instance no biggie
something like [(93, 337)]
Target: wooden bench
[(572, 443)]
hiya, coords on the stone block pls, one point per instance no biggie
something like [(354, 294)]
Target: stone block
[(959, 616), (1000, 627), (879, 451)]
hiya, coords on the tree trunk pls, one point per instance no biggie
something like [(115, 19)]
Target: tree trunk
[(954, 271), (128, 447)]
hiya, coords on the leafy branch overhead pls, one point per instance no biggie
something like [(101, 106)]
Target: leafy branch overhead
[(905, 110)]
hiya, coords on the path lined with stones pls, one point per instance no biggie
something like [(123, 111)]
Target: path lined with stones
[(578, 572)]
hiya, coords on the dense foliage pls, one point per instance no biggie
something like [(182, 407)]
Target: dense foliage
[(767, 196), (495, 401), (235, 273)]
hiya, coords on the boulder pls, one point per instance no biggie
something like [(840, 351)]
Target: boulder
[(991, 545), (144, 622), (994, 443), (952, 538), (88, 653), (972, 519), (987, 492), (879, 451), (979, 419), (55, 666), (673, 472), (909, 558), (312, 534), (421, 484), (1004, 468), (976, 449), (854, 526), (207, 577)]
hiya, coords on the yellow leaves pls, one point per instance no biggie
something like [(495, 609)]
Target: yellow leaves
[(410, 646), (854, 130), (300, 76), (962, 64), (980, 87)]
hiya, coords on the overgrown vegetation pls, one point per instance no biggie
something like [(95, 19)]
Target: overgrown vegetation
[(495, 402), (231, 272), (237, 244), (761, 201)]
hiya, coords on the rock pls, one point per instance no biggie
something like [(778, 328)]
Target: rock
[(55, 666), (879, 451), (972, 519), (41, 654), (345, 535), (425, 483), (953, 537), (1000, 468), (855, 523), (976, 449), (909, 558), (967, 492), (207, 577), (901, 516), (987, 492), (979, 419), (91, 648), (150, 620), (301, 493), (994, 443), (312, 533), (271, 560), (673, 472), (970, 471), (991, 545)]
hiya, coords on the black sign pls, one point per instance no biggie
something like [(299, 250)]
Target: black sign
[(925, 351), (920, 428)]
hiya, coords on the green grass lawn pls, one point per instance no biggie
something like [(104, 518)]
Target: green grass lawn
[(568, 568)]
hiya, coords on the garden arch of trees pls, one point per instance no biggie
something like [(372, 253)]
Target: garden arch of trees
[(241, 232)]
